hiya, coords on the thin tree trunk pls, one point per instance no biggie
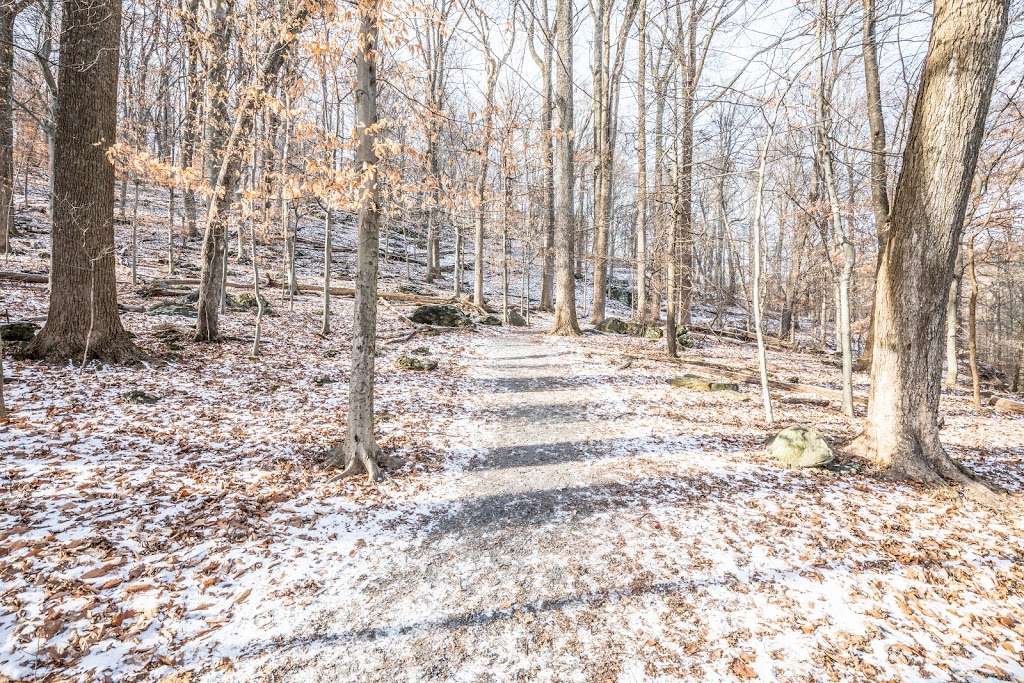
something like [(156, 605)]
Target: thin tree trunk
[(361, 452), (565, 323), (640, 296), (953, 324), (879, 172), (972, 324)]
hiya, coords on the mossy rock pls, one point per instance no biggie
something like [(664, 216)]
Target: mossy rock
[(420, 351), (692, 382), (491, 320), (798, 446), (139, 397), (515, 319), (441, 315), (683, 338), (173, 308), (697, 383), (18, 332), (613, 326), (416, 364), (247, 302), (633, 329)]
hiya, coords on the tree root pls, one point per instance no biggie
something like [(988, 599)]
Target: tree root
[(116, 349), (358, 460), (936, 469)]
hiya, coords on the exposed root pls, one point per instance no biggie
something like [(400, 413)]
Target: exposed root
[(356, 461), (933, 469), (116, 349)]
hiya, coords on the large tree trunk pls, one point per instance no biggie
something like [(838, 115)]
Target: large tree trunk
[(361, 452), (83, 320), (565, 284), (902, 431)]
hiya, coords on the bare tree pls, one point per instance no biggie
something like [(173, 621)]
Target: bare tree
[(83, 319), (360, 452), (902, 429), (565, 323)]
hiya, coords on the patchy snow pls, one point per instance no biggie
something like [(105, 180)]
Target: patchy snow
[(562, 514)]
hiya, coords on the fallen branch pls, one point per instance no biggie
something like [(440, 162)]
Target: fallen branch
[(34, 278)]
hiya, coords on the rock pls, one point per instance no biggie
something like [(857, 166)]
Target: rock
[(247, 302), (416, 364), (440, 315), (613, 326), (323, 380), (492, 320), (798, 446), (173, 308), (633, 329), (1006, 405), (139, 397), (801, 399), (701, 384), (410, 288), (516, 320), (18, 332), (420, 351)]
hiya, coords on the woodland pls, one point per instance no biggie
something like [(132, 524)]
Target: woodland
[(531, 340)]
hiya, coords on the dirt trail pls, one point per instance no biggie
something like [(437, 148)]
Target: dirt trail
[(594, 524), (493, 580)]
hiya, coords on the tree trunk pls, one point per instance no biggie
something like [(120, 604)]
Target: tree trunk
[(952, 325), (361, 452), (565, 323), (219, 33), (548, 152), (879, 172), (972, 324), (7, 14), (640, 296), (902, 430), (191, 120), (83, 319)]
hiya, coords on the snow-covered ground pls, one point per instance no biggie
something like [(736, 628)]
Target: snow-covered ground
[(562, 514)]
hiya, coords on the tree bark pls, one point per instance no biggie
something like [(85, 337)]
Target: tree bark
[(565, 323), (640, 296), (83, 319), (902, 430), (879, 166), (361, 452), (8, 11)]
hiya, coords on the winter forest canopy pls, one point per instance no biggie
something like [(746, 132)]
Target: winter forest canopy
[(337, 335)]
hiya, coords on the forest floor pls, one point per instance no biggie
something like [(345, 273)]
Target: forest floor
[(563, 513)]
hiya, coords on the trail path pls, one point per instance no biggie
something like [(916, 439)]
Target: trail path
[(580, 533)]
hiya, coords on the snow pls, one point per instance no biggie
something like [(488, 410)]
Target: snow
[(559, 516)]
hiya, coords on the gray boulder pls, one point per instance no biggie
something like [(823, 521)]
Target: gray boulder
[(514, 319), (798, 446), (440, 315), (18, 332), (416, 364)]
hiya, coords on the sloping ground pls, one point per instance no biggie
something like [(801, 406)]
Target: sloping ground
[(560, 518), (563, 514)]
